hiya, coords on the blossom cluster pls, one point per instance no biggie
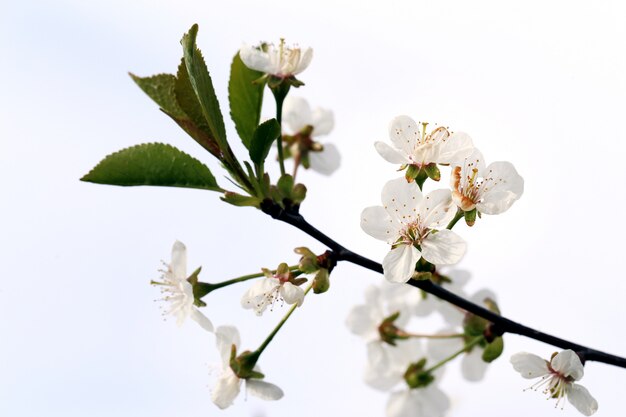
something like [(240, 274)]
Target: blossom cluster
[(414, 222)]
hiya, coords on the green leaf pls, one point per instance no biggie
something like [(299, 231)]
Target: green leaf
[(493, 350), (203, 86), (152, 164), (246, 99), (161, 89), (264, 135)]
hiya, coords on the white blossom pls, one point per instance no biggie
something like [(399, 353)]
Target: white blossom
[(298, 118), (490, 189), (558, 377), (228, 384), (412, 145), (281, 61), (408, 220), (267, 291), (178, 292)]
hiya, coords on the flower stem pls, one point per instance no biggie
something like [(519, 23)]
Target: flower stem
[(465, 348), (432, 336), (280, 93), (459, 214), (203, 288), (280, 324)]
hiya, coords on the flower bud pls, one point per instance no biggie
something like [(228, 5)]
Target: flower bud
[(493, 350), (432, 171), (321, 282), (308, 263), (243, 365), (416, 377), (470, 217), (389, 332)]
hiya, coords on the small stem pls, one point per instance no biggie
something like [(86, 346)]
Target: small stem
[(203, 288), (280, 324), (432, 336), (459, 214), (465, 348), (279, 142), (296, 164)]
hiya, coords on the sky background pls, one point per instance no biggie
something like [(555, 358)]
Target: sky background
[(541, 84)]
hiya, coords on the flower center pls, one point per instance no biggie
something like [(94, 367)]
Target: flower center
[(413, 233)]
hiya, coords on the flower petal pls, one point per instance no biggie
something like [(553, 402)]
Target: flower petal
[(399, 405), (404, 133), (364, 319), (178, 265), (443, 247), (473, 367), (376, 222), (390, 154), (292, 294), (568, 363), (326, 161), (255, 59), (502, 187), (436, 209), (323, 121), (225, 338), (401, 199), (226, 389), (305, 60), (296, 114), (399, 263), (201, 319), (455, 148), (529, 365), (257, 297), (439, 349), (580, 398), (264, 390)]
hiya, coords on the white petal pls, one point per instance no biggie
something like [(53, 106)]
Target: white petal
[(399, 263), (404, 133), (399, 405), (296, 114), (326, 161), (264, 390), (529, 365), (376, 222), (322, 121), (580, 398), (401, 199), (502, 187), (473, 367), (178, 264), (364, 320), (255, 59), (443, 248), (377, 357), (379, 373), (226, 389), (455, 148), (481, 295), (404, 353), (390, 154), (422, 402), (305, 60), (568, 363), (292, 294), (436, 402), (201, 319), (256, 297), (436, 209), (225, 337)]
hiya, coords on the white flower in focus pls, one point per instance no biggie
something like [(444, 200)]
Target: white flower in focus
[(281, 61), (304, 125), (491, 190), (272, 288), (418, 402), (557, 378), (178, 292), (228, 384), (407, 220), (413, 146)]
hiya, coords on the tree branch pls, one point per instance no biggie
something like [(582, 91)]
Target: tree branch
[(501, 324)]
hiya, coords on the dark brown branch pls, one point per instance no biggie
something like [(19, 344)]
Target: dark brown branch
[(502, 324)]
